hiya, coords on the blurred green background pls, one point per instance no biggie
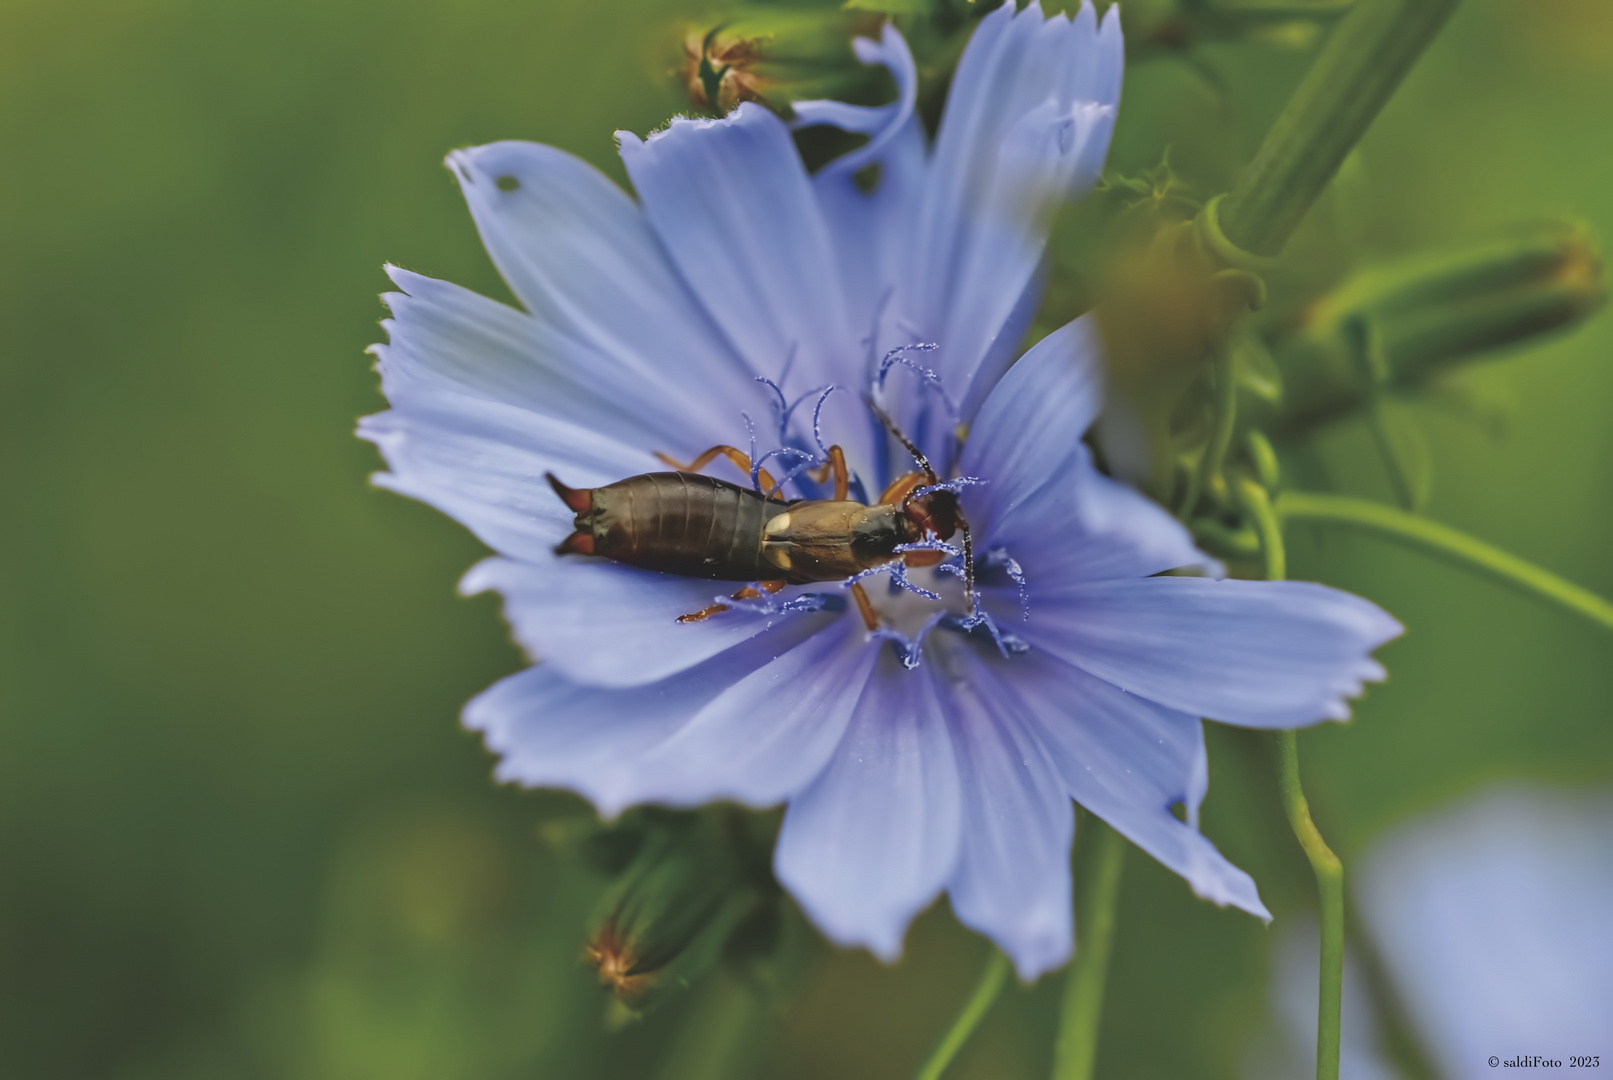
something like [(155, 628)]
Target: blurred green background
[(241, 833)]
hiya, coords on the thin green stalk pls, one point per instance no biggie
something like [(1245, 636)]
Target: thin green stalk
[(1325, 865), (1226, 415), (1257, 504), (974, 1011), (1082, 1009), (1330, 893), (1359, 67), (1418, 532)]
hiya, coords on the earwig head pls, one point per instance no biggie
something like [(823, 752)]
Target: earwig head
[(935, 512), (580, 501)]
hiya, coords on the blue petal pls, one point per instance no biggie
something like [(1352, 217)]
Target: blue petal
[(882, 123), (870, 235), (1493, 921), (769, 734), (579, 254), (872, 841), (733, 207), (1043, 501), (1269, 654), (1125, 759), (605, 624), (448, 341), (550, 731), (1026, 127), (1012, 881), (482, 463), (1028, 432)]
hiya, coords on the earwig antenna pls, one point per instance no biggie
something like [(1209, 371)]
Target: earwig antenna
[(968, 567), (890, 426)]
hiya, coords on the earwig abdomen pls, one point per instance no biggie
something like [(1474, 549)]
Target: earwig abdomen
[(693, 525), (682, 523)]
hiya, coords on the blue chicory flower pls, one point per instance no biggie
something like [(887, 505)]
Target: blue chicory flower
[(1492, 923), (943, 751)]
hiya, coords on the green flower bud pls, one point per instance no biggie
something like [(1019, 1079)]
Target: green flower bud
[(777, 56), (1398, 324), (668, 917)]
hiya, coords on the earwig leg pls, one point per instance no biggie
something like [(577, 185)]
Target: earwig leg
[(837, 463), (741, 461), (917, 559), (835, 466), (866, 606), (746, 593), (703, 614), (901, 488)]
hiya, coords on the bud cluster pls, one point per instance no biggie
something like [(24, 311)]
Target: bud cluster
[(688, 890)]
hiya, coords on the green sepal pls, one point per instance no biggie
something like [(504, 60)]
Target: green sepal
[(695, 880), (776, 56)]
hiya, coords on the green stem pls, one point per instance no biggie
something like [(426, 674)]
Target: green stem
[(1324, 864), (1255, 502), (1082, 1008), (1446, 543), (1226, 414), (1359, 67), (1330, 892), (974, 1011)]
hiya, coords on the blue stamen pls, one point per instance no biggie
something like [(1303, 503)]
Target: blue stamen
[(781, 405), (1007, 644), (930, 543), (927, 376), (879, 317), (954, 486), (817, 418), (795, 471), (755, 467), (898, 576), (909, 650), (998, 558), (782, 451)]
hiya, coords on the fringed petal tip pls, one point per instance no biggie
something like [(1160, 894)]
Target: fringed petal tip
[(1224, 885)]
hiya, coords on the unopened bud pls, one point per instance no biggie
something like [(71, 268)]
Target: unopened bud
[(1401, 323), (777, 57), (667, 918)]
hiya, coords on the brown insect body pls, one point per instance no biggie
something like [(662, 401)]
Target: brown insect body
[(699, 526)]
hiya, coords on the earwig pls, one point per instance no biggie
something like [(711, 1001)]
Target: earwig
[(693, 525)]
